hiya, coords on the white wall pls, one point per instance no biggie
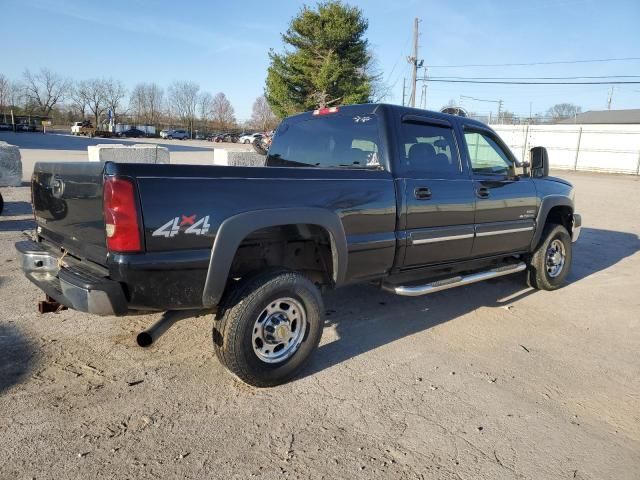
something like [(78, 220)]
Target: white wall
[(606, 148)]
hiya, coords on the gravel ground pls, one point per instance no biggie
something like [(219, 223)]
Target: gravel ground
[(488, 381)]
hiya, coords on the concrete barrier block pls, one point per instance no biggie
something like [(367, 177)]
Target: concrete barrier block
[(231, 158), (119, 153), (10, 165)]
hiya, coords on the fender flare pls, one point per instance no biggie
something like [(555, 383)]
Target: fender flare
[(236, 228), (546, 205)]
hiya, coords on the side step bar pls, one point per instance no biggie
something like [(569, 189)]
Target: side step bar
[(417, 290)]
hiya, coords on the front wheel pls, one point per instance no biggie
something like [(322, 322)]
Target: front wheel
[(551, 261), (269, 326)]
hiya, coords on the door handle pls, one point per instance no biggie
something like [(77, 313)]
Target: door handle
[(482, 192), (422, 193)]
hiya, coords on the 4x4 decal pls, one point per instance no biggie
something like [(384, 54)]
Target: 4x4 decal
[(184, 223)]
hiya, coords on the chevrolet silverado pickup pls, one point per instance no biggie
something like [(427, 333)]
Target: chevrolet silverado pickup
[(410, 200)]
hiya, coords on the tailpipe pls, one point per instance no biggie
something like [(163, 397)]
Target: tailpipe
[(151, 335)]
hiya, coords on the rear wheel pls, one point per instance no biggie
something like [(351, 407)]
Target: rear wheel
[(268, 327), (551, 261)]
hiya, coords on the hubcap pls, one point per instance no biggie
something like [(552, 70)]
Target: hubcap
[(555, 258), (279, 330)]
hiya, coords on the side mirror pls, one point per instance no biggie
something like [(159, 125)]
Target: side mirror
[(539, 162)]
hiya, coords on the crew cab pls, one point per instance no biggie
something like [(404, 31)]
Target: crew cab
[(410, 200)]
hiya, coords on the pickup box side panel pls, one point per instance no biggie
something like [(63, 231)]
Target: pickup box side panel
[(360, 203), (233, 230)]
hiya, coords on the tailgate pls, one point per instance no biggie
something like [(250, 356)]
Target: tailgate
[(67, 202)]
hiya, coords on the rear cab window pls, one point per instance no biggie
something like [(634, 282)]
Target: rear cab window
[(338, 140)]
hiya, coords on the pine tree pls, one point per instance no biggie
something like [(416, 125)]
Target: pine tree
[(325, 61)]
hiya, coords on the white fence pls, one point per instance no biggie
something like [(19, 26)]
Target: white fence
[(600, 148)]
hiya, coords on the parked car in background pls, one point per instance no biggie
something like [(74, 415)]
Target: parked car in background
[(83, 128), (249, 138), (5, 126), (25, 127), (133, 133), (177, 133)]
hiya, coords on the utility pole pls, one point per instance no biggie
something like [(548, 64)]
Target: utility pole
[(414, 61), (499, 109), (404, 86), (610, 99)]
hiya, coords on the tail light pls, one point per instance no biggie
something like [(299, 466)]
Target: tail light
[(121, 215)]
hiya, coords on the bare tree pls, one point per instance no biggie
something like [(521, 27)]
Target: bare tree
[(262, 117), (5, 85), (561, 111), (94, 94), (222, 113), (78, 102), (183, 101), (114, 94), (43, 90), (205, 102), (146, 102)]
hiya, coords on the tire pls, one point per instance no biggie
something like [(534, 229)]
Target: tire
[(170, 137), (1, 204), (240, 337), (546, 271)]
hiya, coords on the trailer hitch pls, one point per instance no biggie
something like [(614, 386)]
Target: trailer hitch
[(50, 305)]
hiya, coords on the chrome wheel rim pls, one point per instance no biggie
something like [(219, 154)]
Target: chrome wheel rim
[(555, 258), (279, 330)]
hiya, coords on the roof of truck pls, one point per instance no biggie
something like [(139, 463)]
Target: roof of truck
[(364, 108)]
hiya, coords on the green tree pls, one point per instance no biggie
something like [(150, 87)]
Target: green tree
[(325, 61)]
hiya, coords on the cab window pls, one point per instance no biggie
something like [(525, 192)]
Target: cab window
[(428, 150), (486, 156)]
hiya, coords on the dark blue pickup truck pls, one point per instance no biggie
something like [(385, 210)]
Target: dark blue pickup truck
[(410, 200)]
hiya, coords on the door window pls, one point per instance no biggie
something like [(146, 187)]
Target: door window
[(487, 157), (428, 150)]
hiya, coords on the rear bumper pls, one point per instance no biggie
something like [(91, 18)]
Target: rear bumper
[(74, 287), (576, 227)]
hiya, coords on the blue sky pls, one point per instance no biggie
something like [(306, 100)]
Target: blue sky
[(223, 46)]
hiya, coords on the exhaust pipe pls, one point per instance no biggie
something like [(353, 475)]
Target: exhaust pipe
[(151, 335)]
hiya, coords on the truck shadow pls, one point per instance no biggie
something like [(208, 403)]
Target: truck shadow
[(365, 318), (16, 356)]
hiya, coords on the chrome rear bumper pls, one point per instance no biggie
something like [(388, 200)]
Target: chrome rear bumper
[(73, 287)]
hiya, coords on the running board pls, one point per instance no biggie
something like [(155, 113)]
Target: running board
[(417, 290)]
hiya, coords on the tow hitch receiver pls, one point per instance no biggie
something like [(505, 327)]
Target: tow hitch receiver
[(49, 305)]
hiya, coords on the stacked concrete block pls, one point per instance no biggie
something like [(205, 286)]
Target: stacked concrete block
[(10, 165), (222, 156), (119, 153)]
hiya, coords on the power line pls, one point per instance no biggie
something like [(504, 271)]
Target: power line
[(500, 82), (565, 62), (448, 77)]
